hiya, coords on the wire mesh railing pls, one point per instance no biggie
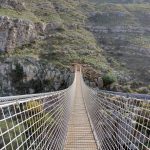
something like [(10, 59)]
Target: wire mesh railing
[(119, 123), (35, 122), (39, 122)]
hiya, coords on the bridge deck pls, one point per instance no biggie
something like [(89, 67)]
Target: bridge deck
[(80, 136)]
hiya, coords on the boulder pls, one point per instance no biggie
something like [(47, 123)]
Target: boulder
[(52, 26), (40, 27)]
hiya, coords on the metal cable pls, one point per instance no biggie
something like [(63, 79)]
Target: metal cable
[(35, 122), (39, 121), (119, 123)]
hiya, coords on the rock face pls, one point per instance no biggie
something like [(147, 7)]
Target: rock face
[(121, 42), (13, 4), (92, 78), (119, 36), (24, 76), (15, 33), (40, 27), (119, 29), (122, 30), (52, 26)]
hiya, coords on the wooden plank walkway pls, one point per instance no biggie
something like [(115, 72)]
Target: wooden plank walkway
[(80, 136)]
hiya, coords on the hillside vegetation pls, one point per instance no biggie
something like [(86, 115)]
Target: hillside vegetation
[(107, 37)]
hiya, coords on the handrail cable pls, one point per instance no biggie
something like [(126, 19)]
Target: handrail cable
[(75, 118)]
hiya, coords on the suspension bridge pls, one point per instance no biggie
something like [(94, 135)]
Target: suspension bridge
[(77, 118)]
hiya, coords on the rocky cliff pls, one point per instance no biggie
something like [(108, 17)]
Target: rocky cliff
[(122, 29), (28, 75), (15, 33)]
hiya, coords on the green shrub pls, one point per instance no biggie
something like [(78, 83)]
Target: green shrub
[(109, 78)]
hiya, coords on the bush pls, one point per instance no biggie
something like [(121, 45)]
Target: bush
[(109, 78), (143, 90)]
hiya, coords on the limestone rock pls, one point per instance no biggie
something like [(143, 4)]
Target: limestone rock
[(15, 33), (13, 4), (52, 26), (40, 27), (33, 77)]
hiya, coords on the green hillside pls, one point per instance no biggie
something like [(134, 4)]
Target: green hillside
[(73, 39)]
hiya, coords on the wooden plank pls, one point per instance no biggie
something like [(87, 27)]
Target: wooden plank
[(79, 136)]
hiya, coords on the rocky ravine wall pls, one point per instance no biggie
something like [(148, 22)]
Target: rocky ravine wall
[(24, 76), (27, 75), (15, 33), (118, 33)]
